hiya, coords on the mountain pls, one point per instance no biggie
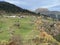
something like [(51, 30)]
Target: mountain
[(5, 6), (41, 10), (11, 8), (45, 11)]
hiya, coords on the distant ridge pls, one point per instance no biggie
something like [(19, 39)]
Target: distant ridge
[(46, 12)]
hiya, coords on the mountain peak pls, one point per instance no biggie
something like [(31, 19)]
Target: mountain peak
[(41, 10)]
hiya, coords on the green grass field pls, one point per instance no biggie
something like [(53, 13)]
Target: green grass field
[(7, 24), (23, 26)]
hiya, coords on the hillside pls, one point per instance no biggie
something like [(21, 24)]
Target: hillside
[(11, 8), (19, 26), (5, 6), (33, 31)]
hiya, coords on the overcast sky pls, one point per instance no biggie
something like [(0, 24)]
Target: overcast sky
[(34, 4)]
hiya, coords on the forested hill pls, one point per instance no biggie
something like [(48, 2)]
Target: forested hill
[(11, 8)]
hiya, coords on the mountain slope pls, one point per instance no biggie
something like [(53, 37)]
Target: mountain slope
[(11, 8), (5, 6)]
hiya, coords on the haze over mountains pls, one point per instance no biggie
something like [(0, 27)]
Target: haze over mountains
[(56, 8), (45, 11)]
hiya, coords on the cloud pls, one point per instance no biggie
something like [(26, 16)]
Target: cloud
[(17, 2), (49, 6), (33, 4)]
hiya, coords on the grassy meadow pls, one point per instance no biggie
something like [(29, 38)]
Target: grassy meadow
[(27, 28)]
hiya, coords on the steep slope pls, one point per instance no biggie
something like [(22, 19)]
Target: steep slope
[(11, 8), (5, 6)]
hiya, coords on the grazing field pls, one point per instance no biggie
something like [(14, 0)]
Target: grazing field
[(22, 26), (30, 28)]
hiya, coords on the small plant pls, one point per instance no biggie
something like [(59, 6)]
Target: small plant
[(17, 24), (4, 42), (16, 40)]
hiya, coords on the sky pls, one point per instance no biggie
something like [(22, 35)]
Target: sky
[(34, 4)]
